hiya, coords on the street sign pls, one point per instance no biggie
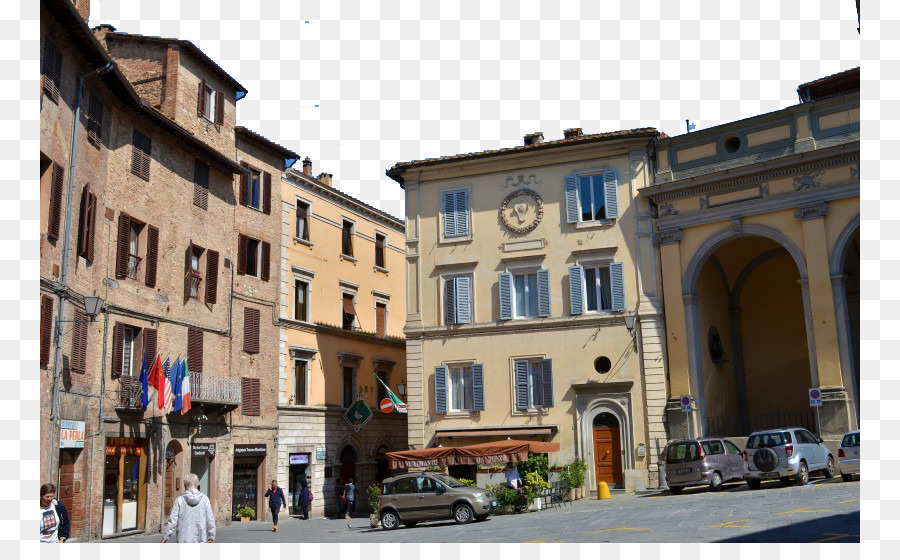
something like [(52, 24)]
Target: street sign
[(686, 403), (815, 397), (71, 434), (387, 405), (358, 415)]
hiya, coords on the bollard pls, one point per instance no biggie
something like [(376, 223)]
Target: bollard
[(602, 491)]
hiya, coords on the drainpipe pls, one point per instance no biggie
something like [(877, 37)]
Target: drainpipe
[(64, 277)]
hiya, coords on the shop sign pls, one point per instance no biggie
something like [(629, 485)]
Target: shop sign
[(71, 434), (320, 453), (124, 446), (299, 458), (358, 415), (203, 450), (251, 450)]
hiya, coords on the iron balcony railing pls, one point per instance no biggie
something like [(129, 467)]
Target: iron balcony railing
[(217, 389), (134, 263)]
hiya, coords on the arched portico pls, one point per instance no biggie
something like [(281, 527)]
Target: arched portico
[(845, 285)]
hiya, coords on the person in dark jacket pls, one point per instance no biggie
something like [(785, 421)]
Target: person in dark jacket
[(54, 517), (350, 497), (306, 498), (339, 497), (276, 502)]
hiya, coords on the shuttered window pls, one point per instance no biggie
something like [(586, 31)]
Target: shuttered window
[(597, 288), (525, 294), (265, 257), (267, 192), (79, 342), (301, 295), (302, 221), (347, 239), (455, 206), (123, 349), (379, 250), (300, 377), (195, 350), (51, 70), (123, 245), (202, 98), (348, 312), (150, 348), (254, 257), (459, 388), (118, 349), (457, 300), (46, 329), (592, 197), (201, 184), (220, 107), (380, 319), (251, 330), (87, 218), (212, 276), (95, 121), (56, 194), (249, 396), (534, 383), (152, 256), (140, 155), (440, 389)]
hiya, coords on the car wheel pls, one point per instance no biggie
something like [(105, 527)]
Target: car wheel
[(715, 483), (846, 477), (829, 469), (754, 483), (463, 514), (389, 520), (802, 478), (676, 489), (410, 524)]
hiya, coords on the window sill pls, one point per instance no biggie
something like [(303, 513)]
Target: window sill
[(348, 258), (382, 270), (460, 413), (249, 207), (595, 224), (306, 242), (530, 411), (454, 240)]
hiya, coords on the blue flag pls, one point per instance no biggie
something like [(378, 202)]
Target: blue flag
[(176, 385), (145, 398)]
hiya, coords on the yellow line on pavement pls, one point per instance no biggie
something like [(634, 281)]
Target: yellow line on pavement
[(537, 541), (617, 529), (848, 501), (834, 537), (730, 525), (805, 511)]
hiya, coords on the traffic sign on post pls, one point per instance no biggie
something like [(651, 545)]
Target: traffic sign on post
[(815, 397), (686, 403)]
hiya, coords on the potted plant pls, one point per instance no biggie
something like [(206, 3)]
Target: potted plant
[(534, 483), (507, 498), (373, 493), (574, 477), (245, 513)]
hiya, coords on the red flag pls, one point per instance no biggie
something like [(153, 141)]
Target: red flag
[(155, 372)]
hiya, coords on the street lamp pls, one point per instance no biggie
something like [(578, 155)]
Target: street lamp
[(92, 305), (401, 388), (629, 324)]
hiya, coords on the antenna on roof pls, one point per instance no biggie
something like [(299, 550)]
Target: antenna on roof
[(690, 126)]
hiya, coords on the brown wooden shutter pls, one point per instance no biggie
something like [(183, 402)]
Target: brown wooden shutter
[(140, 154), (79, 342), (95, 121), (92, 224), (249, 396), (251, 330), (122, 256), (212, 275), (56, 193), (201, 184), (379, 319), (242, 254), (195, 350), (46, 329), (152, 254), (267, 192), (188, 253), (245, 181), (150, 346), (201, 97), (84, 221), (220, 107), (264, 266), (118, 349), (52, 70)]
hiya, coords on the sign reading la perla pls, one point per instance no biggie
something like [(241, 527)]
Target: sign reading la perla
[(71, 434)]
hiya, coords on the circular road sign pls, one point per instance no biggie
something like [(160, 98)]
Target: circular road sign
[(387, 405), (685, 401), (814, 393)]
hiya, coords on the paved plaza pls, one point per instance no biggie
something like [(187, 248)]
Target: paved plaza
[(824, 511)]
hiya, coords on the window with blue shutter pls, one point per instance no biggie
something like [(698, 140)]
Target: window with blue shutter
[(449, 214), (572, 199), (450, 301), (462, 213), (617, 285), (547, 382), (478, 386), (576, 289), (521, 367), (455, 206), (611, 191), (440, 389), (591, 198), (505, 289), (543, 284), (463, 300)]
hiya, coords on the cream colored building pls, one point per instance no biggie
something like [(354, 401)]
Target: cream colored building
[(758, 235), (525, 267), (342, 317)]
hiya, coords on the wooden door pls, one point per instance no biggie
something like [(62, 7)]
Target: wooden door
[(607, 455), (68, 487), (169, 495)]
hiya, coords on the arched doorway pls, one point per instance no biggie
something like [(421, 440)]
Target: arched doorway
[(173, 475), (846, 284), (607, 449), (749, 328), (348, 464), (382, 470)]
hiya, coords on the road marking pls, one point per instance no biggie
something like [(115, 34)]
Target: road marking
[(537, 541), (834, 537), (805, 511), (617, 529), (848, 501), (730, 525)]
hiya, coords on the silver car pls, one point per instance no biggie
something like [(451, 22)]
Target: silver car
[(786, 454), (709, 461), (848, 455)]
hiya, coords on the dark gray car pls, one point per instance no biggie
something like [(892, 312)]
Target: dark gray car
[(709, 461), (413, 497)]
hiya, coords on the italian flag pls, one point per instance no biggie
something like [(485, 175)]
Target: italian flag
[(185, 387)]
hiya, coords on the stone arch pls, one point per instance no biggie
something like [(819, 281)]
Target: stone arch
[(842, 308), (622, 413), (379, 441)]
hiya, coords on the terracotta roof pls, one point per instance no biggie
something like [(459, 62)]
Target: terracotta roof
[(835, 84), (398, 168), (190, 47), (288, 154), (399, 222)]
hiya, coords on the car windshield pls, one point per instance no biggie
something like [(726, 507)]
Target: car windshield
[(449, 481), (682, 452), (773, 439), (850, 440)]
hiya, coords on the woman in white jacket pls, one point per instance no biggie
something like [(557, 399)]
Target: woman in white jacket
[(192, 515)]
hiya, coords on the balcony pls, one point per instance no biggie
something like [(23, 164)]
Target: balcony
[(129, 395), (216, 390)]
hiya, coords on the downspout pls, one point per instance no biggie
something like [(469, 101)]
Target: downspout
[(64, 276)]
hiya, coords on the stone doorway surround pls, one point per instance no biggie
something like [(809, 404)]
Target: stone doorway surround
[(592, 399)]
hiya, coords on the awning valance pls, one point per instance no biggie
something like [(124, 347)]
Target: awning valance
[(482, 453)]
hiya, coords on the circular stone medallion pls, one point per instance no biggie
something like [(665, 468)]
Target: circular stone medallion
[(522, 211)]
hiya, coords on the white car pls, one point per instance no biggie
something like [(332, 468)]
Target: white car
[(848, 455)]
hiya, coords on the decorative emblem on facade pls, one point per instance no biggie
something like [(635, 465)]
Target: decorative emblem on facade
[(669, 236), (704, 202), (522, 210), (811, 181), (764, 189), (667, 209), (811, 212), (521, 182)]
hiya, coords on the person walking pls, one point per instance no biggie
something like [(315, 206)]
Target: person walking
[(339, 497), (276, 502), (350, 498), (306, 498), (54, 517), (192, 516)]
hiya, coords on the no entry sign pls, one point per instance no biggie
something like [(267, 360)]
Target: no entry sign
[(387, 405), (815, 397)]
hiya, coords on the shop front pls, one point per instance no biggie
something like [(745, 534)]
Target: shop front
[(124, 485), (249, 481), (203, 457), (298, 474)]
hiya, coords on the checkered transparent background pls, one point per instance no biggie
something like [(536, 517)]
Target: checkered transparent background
[(358, 86)]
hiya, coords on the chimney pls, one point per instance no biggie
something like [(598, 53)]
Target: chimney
[(84, 8), (100, 32), (307, 166), (572, 133), (534, 138), (170, 81), (325, 178)]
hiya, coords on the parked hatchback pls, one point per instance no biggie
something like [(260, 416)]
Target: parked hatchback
[(848, 455), (413, 497), (786, 453), (709, 461)]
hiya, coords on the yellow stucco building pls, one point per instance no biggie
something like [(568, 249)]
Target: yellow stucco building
[(342, 317), (757, 228), (532, 302)]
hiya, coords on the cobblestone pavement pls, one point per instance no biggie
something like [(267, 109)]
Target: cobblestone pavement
[(824, 511)]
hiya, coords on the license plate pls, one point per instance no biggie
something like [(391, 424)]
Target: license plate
[(494, 504), (683, 471), (768, 475)]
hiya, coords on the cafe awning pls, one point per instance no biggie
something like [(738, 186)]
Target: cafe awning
[(482, 453)]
